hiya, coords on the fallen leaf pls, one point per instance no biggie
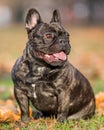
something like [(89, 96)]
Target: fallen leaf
[(9, 112), (17, 128), (100, 102)]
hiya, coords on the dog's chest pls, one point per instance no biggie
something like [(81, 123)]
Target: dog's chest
[(43, 92), (37, 79)]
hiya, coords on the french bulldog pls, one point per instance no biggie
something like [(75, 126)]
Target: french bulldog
[(44, 76)]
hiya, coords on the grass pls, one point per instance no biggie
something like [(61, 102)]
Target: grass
[(98, 85), (6, 84), (95, 123), (6, 80)]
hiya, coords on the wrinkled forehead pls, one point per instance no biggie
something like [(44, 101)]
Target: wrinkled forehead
[(56, 26), (52, 27)]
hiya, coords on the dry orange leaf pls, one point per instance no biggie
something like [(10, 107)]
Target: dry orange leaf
[(9, 113), (17, 128), (100, 102)]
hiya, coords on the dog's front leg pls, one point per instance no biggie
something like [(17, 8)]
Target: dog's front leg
[(63, 106), (23, 102)]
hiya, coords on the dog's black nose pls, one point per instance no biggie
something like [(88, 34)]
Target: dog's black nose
[(65, 45), (62, 41)]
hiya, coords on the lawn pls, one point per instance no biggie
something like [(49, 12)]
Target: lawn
[(86, 54), (95, 123)]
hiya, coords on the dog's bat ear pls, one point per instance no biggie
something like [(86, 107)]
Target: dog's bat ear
[(32, 19), (56, 16)]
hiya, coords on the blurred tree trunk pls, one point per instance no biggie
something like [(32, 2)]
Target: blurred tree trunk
[(91, 4)]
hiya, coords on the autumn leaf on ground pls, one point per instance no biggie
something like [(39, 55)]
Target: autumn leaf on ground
[(100, 102), (9, 112)]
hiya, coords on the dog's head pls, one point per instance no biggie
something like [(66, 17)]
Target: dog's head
[(49, 41)]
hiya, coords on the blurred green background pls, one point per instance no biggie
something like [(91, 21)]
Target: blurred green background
[(83, 19)]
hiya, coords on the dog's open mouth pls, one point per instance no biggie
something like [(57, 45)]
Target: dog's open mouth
[(55, 57)]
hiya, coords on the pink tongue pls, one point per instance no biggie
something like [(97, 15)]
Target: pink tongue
[(61, 55)]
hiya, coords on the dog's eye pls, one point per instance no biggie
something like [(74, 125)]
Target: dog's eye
[(48, 35)]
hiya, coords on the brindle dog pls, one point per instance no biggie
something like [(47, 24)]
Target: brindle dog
[(44, 76)]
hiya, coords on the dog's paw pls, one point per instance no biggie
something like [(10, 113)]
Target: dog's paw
[(25, 119), (61, 118), (37, 114)]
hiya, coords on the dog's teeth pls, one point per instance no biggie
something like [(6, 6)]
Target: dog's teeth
[(47, 55)]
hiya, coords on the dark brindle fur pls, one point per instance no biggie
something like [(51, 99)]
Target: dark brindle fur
[(44, 76)]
